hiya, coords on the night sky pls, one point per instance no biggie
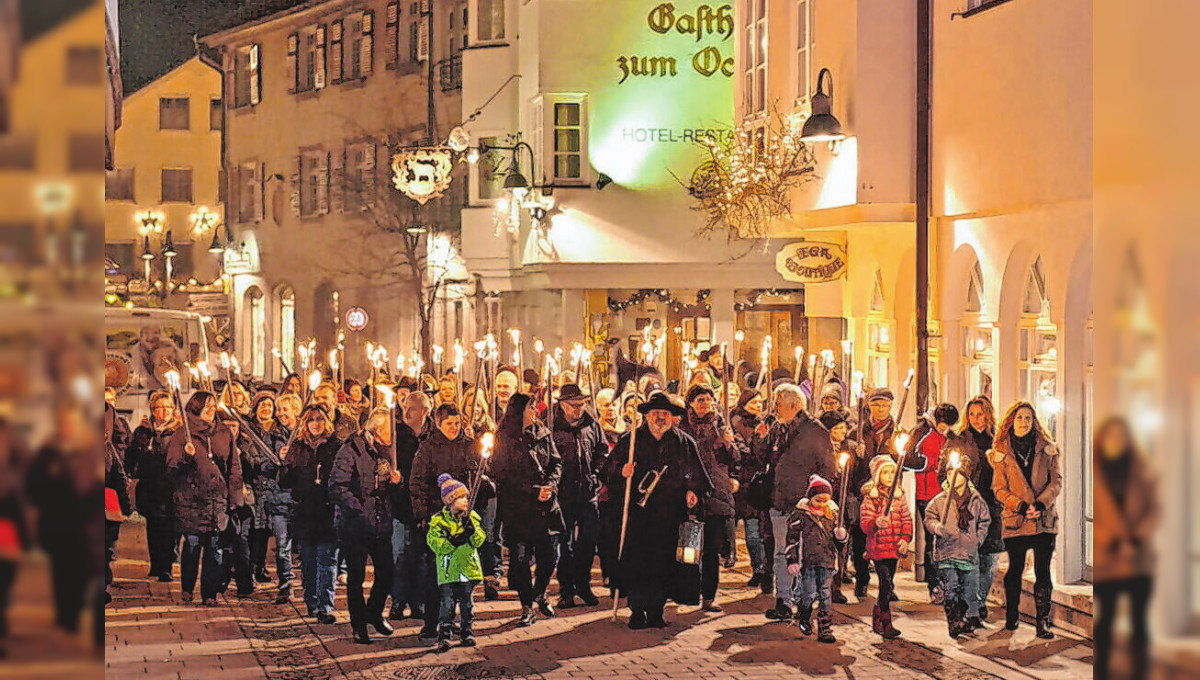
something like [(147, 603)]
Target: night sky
[(156, 35)]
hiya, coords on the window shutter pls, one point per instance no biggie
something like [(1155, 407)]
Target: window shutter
[(368, 41), (319, 57), (393, 33), (295, 182), (260, 192), (323, 185), (335, 52), (293, 73), (423, 39), (255, 76), (337, 190), (368, 175), (234, 194), (231, 78)]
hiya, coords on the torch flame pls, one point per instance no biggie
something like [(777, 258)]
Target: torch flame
[(901, 442), (203, 366), (739, 336), (955, 460), (437, 353), (314, 380), (845, 458), (173, 379), (333, 362), (539, 346), (486, 440), (515, 334), (846, 347), (225, 358), (799, 353), (908, 378), (389, 395)]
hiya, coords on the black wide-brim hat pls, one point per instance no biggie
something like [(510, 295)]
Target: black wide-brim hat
[(659, 402), (571, 392)]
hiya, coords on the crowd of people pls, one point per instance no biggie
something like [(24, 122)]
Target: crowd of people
[(457, 486)]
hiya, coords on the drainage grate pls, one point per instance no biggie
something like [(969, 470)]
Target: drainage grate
[(467, 671)]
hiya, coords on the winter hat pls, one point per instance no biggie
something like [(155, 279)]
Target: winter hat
[(818, 485), (452, 489), (833, 391), (881, 393), (747, 394), (696, 390), (877, 465), (831, 418), (531, 377)]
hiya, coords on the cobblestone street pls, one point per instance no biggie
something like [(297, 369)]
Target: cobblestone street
[(150, 633)]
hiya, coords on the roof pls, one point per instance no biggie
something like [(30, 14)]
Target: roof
[(264, 12)]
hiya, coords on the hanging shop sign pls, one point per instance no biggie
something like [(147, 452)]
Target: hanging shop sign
[(811, 262), (422, 174), (356, 318)]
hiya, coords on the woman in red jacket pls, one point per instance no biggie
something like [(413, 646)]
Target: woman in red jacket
[(889, 533)]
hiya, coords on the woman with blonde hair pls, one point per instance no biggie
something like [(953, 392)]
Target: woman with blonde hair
[(1027, 481), (307, 475), (236, 397), (146, 461)]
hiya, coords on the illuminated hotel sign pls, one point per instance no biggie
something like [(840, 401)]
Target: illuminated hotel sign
[(665, 87)]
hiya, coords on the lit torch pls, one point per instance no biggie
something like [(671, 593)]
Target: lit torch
[(486, 441), (901, 445), (844, 467)]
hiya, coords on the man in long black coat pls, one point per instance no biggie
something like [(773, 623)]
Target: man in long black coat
[(646, 569)]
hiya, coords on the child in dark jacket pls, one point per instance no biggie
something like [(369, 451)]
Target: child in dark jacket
[(812, 550), (958, 518)]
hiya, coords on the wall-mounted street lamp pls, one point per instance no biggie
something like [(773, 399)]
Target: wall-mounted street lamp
[(822, 125)]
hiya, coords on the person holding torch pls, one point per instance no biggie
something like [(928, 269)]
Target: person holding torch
[(888, 526), (958, 518)]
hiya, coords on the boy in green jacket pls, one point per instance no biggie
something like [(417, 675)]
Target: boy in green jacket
[(455, 535)]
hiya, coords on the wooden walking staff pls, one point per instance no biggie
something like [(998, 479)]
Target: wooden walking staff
[(625, 515)]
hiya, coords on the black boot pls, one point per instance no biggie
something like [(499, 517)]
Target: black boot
[(755, 580), (1043, 604), (466, 635), (837, 596), (543, 606), (637, 620), (767, 585), (588, 597), (953, 624), (654, 619), (803, 620), (381, 625), (443, 640), (780, 612), (360, 635), (860, 591)]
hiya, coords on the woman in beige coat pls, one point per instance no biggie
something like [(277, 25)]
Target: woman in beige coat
[(1027, 481)]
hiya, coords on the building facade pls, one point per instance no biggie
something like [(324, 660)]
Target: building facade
[(52, 156), (163, 195), (605, 242), (317, 97), (1010, 227)]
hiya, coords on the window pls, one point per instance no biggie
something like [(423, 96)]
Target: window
[(120, 256), (85, 152), (359, 45), (565, 139), (314, 183), (803, 49), (306, 59), (359, 176), (414, 41), (85, 65), (1037, 358), (754, 56), (216, 114), (256, 308), (16, 151), (491, 169), (174, 113), (247, 192), (177, 185), (247, 80), (287, 324), (391, 38), (118, 184), (489, 21), (450, 20)]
